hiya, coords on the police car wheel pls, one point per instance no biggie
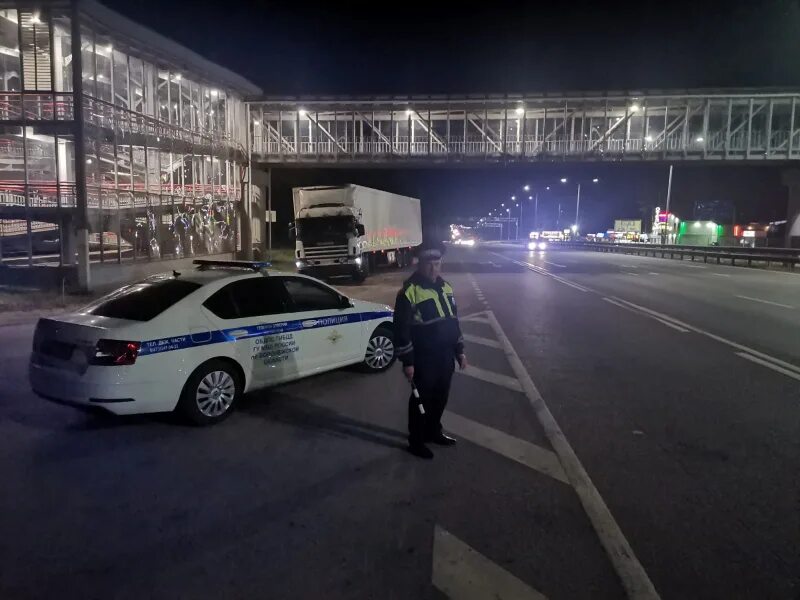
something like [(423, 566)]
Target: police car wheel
[(210, 393), (380, 352)]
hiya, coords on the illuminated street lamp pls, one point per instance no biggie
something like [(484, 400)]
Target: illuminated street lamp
[(595, 180), (563, 180), (526, 187)]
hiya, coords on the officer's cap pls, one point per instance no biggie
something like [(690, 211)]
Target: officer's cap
[(430, 250)]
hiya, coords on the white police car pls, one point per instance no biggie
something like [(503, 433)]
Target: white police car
[(198, 340)]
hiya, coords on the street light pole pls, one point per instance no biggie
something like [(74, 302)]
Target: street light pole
[(577, 205), (666, 224), (536, 212)]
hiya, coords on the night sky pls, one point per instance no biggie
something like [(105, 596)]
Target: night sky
[(496, 47)]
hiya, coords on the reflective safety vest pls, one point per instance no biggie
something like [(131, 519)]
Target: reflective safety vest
[(431, 304)]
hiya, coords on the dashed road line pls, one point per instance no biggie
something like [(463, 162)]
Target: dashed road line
[(643, 314), (721, 274), (713, 336), (764, 301), (528, 454), (462, 573), (491, 377), (634, 579), (476, 318), (547, 262)]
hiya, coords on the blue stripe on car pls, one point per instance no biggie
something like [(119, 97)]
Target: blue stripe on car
[(180, 342)]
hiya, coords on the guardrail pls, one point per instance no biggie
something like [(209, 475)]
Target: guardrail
[(788, 257)]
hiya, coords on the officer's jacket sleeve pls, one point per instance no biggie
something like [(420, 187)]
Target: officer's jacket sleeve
[(403, 317)]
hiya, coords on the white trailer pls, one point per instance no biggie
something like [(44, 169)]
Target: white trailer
[(351, 230)]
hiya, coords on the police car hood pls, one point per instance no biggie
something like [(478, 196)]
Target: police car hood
[(379, 310)]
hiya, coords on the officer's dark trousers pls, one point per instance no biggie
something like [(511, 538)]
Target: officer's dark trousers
[(432, 374)]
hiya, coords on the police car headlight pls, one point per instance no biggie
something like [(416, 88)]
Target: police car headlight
[(358, 261), (532, 245)]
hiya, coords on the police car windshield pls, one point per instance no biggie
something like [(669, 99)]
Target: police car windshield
[(323, 228), (143, 301)]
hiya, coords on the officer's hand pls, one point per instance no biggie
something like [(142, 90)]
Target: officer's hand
[(409, 372), (462, 361)]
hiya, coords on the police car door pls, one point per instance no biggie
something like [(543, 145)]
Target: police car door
[(330, 328), (253, 314)]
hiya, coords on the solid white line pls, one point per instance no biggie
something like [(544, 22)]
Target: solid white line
[(769, 365), (714, 336), (528, 454), (476, 339), (634, 579), (542, 271), (492, 377), (462, 573), (764, 301), (643, 314)]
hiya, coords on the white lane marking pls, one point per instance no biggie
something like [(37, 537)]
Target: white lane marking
[(480, 315), (476, 339), (695, 266), (764, 301), (631, 273), (462, 573), (643, 314), (492, 377), (547, 262), (721, 274), (629, 266), (634, 579), (528, 454), (769, 365), (542, 271), (476, 318), (653, 273), (714, 336)]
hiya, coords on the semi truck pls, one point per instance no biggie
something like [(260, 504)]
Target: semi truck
[(350, 230)]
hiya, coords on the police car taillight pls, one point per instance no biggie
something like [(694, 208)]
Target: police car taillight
[(115, 352)]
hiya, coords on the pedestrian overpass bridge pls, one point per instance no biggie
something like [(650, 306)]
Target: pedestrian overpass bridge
[(692, 125)]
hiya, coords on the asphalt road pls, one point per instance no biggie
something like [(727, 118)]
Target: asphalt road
[(676, 387)]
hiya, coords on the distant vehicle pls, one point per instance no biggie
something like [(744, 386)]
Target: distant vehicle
[(196, 341), (351, 229)]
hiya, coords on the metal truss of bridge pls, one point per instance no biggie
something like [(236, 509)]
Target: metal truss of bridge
[(749, 125)]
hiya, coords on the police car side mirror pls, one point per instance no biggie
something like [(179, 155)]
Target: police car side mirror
[(345, 302)]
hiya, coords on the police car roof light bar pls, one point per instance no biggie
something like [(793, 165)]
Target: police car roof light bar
[(204, 264)]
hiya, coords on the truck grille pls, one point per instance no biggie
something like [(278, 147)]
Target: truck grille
[(326, 251)]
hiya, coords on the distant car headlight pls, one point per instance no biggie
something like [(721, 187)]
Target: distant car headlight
[(468, 242), (542, 245), (532, 245)]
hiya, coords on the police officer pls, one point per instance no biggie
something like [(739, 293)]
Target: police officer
[(428, 342)]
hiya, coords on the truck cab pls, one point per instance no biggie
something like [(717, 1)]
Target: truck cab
[(348, 230), (328, 241)]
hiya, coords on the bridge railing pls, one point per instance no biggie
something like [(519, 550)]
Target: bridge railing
[(715, 126), (788, 257)]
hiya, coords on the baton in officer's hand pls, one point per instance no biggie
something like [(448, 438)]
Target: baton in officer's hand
[(415, 393)]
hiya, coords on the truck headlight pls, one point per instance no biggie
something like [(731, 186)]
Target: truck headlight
[(299, 264), (532, 245), (542, 245), (358, 261)]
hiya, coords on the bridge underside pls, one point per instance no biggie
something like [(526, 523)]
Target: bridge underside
[(715, 127)]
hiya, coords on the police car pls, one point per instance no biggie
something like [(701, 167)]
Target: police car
[(196, 341)]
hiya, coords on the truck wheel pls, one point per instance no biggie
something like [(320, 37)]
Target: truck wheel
[(380, 353)]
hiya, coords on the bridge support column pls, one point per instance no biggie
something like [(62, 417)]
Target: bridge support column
[(791, 179)]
